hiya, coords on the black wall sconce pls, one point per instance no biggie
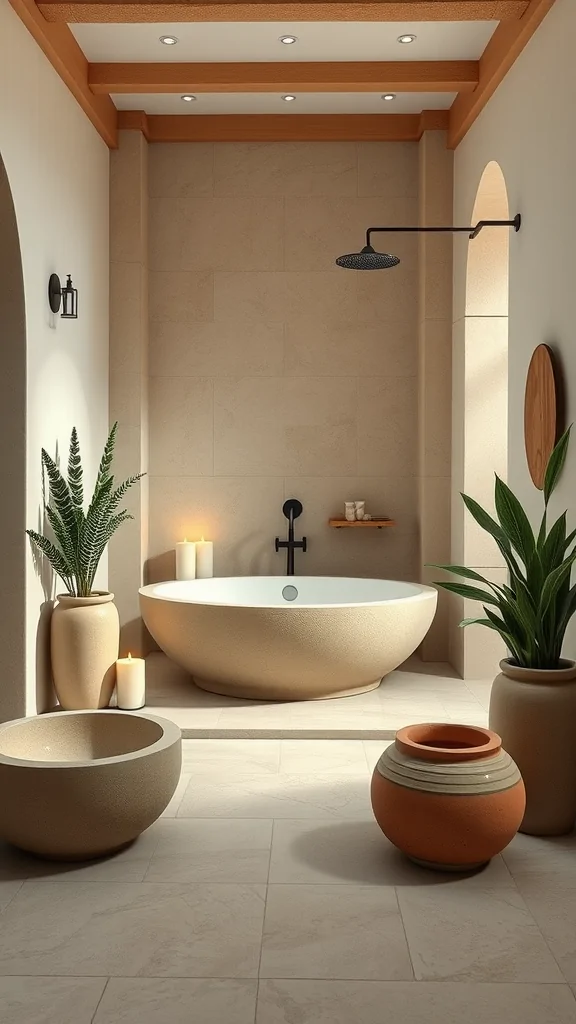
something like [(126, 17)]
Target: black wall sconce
[(63, 300)]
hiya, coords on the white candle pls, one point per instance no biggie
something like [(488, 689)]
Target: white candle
[(186, 560), (204, 559), (130, 683)]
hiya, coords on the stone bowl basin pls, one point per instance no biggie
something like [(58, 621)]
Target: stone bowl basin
[(80, 784)]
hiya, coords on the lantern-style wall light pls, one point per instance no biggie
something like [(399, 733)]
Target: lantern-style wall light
[(63, 300)]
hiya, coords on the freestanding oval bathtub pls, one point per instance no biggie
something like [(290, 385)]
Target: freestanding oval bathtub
[(288, 637)]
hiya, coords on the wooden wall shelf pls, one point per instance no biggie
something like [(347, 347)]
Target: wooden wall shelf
[(361, 524)]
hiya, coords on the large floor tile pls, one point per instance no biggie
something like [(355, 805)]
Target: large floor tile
[(357, 852), (470, 933), (49, 1000), (345, 1002), (325, 931), (308, 756), (238, 757), (277, 796), (373, 750), (8, 890), (177, 1001), (129, 929), (554, 910), (537, 861), (176, 800), (205, 850), (128, 865)]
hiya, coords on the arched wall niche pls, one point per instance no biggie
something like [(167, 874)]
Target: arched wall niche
[(480, 413), (12, 460)]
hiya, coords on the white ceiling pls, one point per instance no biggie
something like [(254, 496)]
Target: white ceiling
[(259, 41), (272, 103)]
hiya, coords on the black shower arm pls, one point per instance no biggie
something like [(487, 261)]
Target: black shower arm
[(472, 232)]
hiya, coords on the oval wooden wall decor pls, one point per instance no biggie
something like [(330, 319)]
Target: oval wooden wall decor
[(540, 413)]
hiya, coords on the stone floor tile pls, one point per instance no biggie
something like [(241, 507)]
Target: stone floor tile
[(471, 933), (326, 931)]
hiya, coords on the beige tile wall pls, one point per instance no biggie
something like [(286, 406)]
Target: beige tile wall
[(273, 373)]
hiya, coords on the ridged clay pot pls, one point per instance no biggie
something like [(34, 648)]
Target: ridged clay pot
[(85, 634), (534, 711), (448, 796)]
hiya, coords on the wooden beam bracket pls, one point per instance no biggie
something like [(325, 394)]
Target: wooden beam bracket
[(283, 127)]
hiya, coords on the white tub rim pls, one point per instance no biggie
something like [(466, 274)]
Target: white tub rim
[(421, 592)]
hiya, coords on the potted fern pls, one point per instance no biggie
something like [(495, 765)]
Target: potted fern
[(85, 628), (533, 700)]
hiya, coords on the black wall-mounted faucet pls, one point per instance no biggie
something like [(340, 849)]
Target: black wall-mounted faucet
[(291, 509)]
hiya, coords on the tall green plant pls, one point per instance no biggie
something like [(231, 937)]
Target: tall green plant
[(80, 538), (532, 611)]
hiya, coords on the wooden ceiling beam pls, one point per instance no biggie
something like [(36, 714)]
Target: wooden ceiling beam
[(117, 11), (504, 48), (325, 76), (66, 57), (282, 127)]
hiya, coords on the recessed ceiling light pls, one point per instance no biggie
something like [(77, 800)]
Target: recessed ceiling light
[(188, 98), (408, 38), (388, 96), (288, 40), (168, 40), (288, 98)]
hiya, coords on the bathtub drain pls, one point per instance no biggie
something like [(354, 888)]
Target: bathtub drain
[(290, 593)]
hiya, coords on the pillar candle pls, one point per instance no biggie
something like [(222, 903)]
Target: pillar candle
[(186, 560), (130, 683), (204, 559)]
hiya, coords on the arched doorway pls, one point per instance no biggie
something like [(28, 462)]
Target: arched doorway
[(480, 401), (12, 461)]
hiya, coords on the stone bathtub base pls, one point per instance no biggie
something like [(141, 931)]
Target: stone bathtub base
[(280, 694)]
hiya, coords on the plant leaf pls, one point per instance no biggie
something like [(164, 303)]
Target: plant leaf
[(553, 583), (485, 521), (556, 464), (75, 483), (514, 521), (472, 593), (467, 574), (54, 556)]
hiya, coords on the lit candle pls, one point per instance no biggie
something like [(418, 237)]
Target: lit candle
[(186, 560), (130, 683), (204, 559)]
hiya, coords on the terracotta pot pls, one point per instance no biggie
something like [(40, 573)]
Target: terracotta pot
[(534, 711), (448, 796), (85, 633)]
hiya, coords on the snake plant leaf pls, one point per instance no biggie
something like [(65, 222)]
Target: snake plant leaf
[(532, 610), (556, 464), (461, 570), (81, 538), (75, 482), (553, 548), (107, 458), (486, 521), (55, 557), (514, 521), (553, 583), (463, 590), (542, 531)]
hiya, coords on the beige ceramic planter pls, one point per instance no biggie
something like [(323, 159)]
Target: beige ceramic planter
[(85, 633), (534, 711)]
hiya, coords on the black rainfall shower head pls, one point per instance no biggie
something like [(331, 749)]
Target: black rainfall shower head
[(367, 259)]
